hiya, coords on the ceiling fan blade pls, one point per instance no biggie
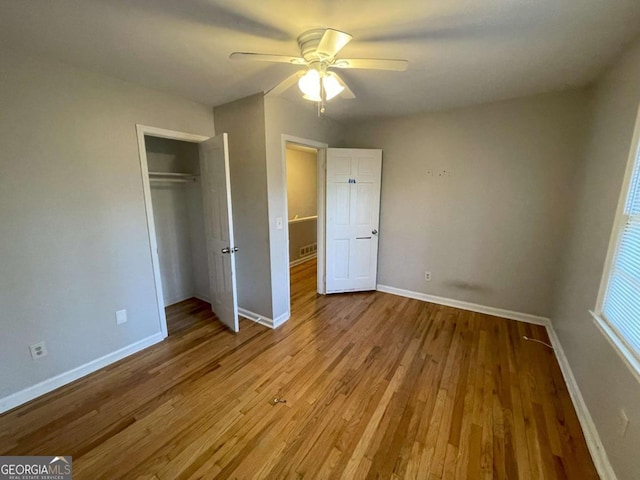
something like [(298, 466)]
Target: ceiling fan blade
[(332, 42), (286, 84), (346, 93), (265, 57), (372, 63)]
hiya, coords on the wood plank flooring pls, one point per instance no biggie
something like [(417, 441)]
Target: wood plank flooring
[(376, 386)]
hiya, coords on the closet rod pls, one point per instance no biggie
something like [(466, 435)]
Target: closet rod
[(172, 174), (173, 180)]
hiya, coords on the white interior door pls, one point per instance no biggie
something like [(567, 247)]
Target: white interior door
[(218, 221), (353, 212)]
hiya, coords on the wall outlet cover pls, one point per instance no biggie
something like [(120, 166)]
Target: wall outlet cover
[(121, 317), (38, 350)]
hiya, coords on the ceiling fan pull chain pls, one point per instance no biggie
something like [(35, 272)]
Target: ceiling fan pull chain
[(323, 97)]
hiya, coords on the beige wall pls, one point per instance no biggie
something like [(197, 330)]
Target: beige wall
[(479, 197), (301, 234), (74, 241), (243, 120), (300, 120), (604, 379), (302, 183)]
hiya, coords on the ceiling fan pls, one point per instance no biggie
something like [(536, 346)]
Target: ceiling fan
[(318, 50)]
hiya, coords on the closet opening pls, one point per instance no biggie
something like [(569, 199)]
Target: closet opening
[(178, 219), (302, 209)]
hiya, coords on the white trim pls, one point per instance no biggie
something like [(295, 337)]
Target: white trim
[(262, 320), (281, 319), (596, 448), (620, 346), (473, 307), (594, 444), (204, 298), (320, 166), (46, 386), (254, 317), (611, 333), (141, 131), (321, 226), (178, 299), (300, 261), (619, 221), (170, 134)]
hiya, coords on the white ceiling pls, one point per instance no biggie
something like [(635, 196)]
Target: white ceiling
[(460, 52)]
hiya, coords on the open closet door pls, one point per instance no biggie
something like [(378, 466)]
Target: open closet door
[(353, 211), (218, 221)]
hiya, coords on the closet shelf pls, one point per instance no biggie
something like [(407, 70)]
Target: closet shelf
[(173, 177)]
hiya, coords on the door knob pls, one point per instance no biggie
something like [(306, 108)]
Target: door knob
[(225, 250), (374, 231)]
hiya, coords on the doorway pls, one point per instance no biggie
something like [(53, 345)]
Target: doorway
[(302, 221), (305, 253), (187, 197), (178, 217)]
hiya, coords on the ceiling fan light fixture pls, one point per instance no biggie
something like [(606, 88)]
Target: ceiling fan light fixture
[(319, 48), (309, 84), (331, 86)]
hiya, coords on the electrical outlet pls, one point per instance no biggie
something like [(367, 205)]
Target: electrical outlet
[(38, 350), (427, 276), (623, 422), (121, 317)]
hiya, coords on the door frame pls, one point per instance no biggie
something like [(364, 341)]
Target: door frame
[(321, 147), (141, 131)]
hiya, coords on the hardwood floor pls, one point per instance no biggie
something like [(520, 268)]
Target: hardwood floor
[(376, 386)]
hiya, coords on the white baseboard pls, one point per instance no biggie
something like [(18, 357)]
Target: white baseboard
[(596, 448), (177, 299), (281, 319), (300, 261), (46, 386), (204, 298), (473, 307), (173, 301), (266, 321), (262, 320)]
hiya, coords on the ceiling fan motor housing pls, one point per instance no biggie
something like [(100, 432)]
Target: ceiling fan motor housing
[(308, 42)]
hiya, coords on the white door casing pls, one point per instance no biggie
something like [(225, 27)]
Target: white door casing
[(216, 197), (352, 218)]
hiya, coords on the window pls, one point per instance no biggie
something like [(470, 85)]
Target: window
[(618, 310)]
